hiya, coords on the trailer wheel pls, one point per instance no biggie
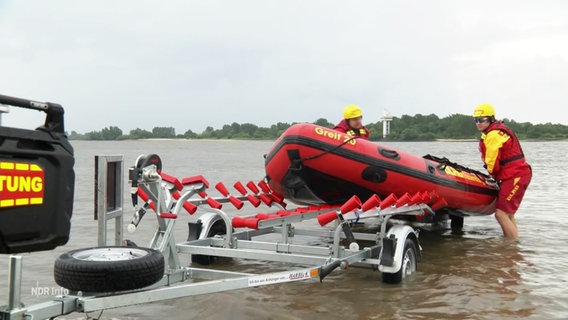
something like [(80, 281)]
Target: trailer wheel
[(217, 229), (409, 264), (108, 269), (456, 223)]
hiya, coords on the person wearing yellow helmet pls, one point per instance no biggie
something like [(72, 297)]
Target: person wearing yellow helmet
[(352, 123), (504, 159)]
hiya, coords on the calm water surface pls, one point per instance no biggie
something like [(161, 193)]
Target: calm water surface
[(473, 275)]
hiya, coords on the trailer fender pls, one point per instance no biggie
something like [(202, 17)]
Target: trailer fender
[(199, 226), (399, 233)]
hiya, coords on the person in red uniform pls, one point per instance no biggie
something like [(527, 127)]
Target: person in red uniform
[(504, 159), (352, 123)]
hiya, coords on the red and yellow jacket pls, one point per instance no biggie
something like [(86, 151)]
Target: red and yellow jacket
[(502, 153), (344, 127)]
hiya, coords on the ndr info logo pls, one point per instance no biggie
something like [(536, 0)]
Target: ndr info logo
[(48, 291)]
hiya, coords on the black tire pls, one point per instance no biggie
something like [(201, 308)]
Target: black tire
[(108, 269), (456, 223), (409, 264), (217, 229)]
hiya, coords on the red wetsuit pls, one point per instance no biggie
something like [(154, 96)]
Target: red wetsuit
[(504, 158)]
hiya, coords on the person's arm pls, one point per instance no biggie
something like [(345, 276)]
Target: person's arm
[(493, 143)]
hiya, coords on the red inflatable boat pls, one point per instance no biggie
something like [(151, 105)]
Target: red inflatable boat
[(314, 165)]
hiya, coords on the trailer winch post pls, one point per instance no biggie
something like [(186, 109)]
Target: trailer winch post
[(163, 239)]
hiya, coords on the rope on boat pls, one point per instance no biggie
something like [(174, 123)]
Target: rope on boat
[(328, 151)]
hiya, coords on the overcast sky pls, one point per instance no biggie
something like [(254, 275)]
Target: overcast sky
[(191, 64)]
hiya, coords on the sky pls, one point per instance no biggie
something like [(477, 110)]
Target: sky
[(193, 64)]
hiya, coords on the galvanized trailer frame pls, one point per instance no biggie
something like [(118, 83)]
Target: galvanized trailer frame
[(307, 262)]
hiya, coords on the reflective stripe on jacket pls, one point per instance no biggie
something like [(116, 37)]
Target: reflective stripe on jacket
[(344, 127)]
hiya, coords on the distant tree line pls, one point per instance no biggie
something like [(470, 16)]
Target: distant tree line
[(406, 128)]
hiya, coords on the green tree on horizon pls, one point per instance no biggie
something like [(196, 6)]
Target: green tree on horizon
[(406, 128), (163, 132)]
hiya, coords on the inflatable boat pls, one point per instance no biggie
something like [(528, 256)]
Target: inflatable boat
[(314, 165)]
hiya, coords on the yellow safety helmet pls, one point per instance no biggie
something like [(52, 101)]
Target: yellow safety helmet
[(484, 110), (352, 111)]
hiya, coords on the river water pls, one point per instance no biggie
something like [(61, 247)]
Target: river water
[(473, 275)]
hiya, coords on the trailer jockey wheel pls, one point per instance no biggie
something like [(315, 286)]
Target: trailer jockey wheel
[(109, 269)]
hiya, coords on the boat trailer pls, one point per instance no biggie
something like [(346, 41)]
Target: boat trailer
[(393, 249)]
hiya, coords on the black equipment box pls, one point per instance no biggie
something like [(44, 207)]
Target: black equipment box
[(36, 182)]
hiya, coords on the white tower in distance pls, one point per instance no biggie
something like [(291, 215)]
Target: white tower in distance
[(386, 119), (3, 109)]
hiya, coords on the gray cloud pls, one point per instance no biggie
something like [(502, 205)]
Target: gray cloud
[(190, 64)]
